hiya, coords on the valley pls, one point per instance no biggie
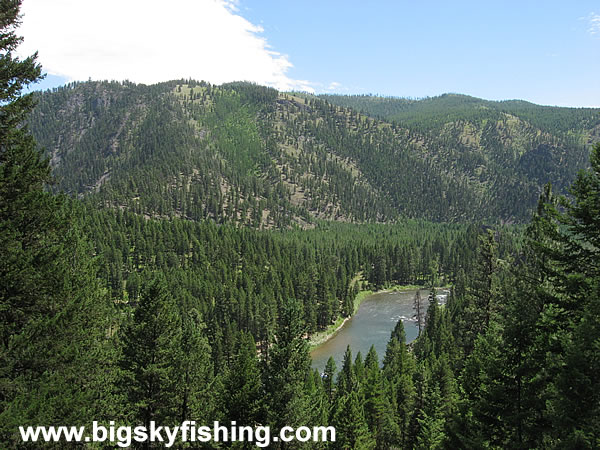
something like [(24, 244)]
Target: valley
[(196, 237), (289, 262)]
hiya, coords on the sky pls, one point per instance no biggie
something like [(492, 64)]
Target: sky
[(546, 52)]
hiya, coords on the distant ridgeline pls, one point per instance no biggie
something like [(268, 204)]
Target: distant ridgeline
[(250, 155)]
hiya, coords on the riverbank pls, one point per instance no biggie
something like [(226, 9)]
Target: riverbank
[(414, 287), (323, 336)]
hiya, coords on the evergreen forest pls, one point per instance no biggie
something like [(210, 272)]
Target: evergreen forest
[(168, 251)]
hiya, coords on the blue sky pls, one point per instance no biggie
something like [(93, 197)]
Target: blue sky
[(544, 52)]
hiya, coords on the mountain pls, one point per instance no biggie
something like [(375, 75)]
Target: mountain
[(435, 112), (252, 155), (510, 146)]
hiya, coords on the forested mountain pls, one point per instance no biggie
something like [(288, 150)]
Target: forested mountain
[(433, 113), (251, 155), (509, 147)]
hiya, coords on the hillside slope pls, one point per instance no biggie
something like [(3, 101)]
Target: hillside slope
[(252, 155)]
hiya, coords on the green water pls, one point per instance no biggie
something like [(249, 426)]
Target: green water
[(372, 325)]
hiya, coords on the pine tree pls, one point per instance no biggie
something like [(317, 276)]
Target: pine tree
[(61, 365), (317, 403), (379, 271), (566, 242), (431, 424), (577, 406), (346, 381), (289, 365), (419, 311), (482, 294), (29, 217), (528, 382), (16, 75), (56, 365), (242, 385), (349, 421), (328, 379), (194, 371), (398, 369), (378, 409), (151, 355)]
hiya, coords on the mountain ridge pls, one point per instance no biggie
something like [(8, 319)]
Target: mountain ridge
[(252, 155)]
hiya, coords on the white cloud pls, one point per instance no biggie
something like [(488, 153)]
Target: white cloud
[(148, 41), (594, 23)]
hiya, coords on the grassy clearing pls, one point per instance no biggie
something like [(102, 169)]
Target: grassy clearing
[(359, 299), (414, 287)]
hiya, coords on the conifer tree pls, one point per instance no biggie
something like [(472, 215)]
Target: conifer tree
[(289, 365), (61, 365), (242, 385), (398, 369), (576, 410), (378, 408), (151, 355), (29, 217), (328, 379), (419, 311), (317, 403), (431, 423), (349, 421), (56, 365), (346, 381), (194, 371), (566, 242)]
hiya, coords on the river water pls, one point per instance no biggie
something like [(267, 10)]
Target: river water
[(371, 325)]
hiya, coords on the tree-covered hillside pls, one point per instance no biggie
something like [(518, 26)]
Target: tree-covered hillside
[(433, 112), (251, 155), (510, 147)]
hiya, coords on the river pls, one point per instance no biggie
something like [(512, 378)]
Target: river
[(371, 325)]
